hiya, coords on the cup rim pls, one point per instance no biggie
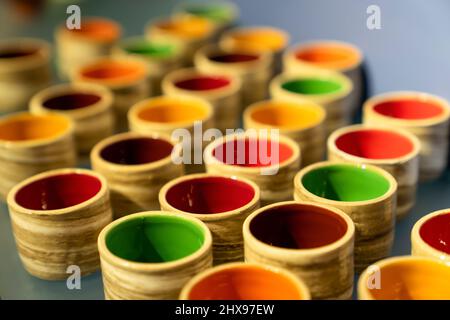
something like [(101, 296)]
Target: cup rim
[(233, 9), (152, 26), (276, 83), (169, 87), (107, 255), (290, 54), (19, 63), (248, 113), (304, 252), (298, 185), (299, 283), (369, 105), (144, 104), (11, 197), (364, 292), (211, 160), (96, 157), (40, 141), (417, 240), (331, 143), (212, 216), (106, 99), (63, 32)]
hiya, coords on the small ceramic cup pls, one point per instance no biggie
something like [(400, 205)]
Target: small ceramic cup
[(257, 39), (191, 31), (302, 121), (394, 150), (126, 77), (313, 241), (332, 55), (405, 278), (94, 39), (364, 192), (56, 217), (430, 236), (269, 161), (422, 114), (180, 117), (88, 105), (24, 70), (254, 69), (151, 255), (31, 144), (136, 166), (329, 89), (245, 281), (221, 90), (221, 202), (162, 56)]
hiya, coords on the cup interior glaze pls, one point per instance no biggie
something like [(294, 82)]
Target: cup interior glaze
[(330, 55), (98, 29), (258, 39), (252, 152), (154, 239), (412, 279), (71, 101), (28, 127), (114, 70), (187, 27), (298, 226), (234, 57), (436, 232), (209, 195), (287, 115), (374, 144), (171, 110), (58, 191), (13, 51), (409, 109), (203, 83), (312, 86), (152, 49), (136, 151), (217, 12), (245, 282), (340, 182)]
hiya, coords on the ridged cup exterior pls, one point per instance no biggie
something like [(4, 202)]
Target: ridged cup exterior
[(134, 188), (92, 123), (374, 219), (49, 241), (405, 169), (128, 280), (22, 77), (432, 133), (225, 227), (327, 271)]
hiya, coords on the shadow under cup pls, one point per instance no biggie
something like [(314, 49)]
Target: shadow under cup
[(154, 239)]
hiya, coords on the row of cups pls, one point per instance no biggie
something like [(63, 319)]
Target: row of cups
[(64, 217)]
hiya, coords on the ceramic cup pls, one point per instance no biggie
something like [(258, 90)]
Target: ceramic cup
[(257, 39), (254, 69), (329, 89), (136, 166), (24, 70), (430, 236), (191, 31), (94, 39), (151, 255), (162, 56), (56, 217), (332, 55), (221, 202), (269, 162), (126, 77), (364, 192), (88, 105), (313, 241), (31, 144), (245, 281), (394, 150), (179, 117), (302, 121), (422, 114), (405, 278), (221, 90)]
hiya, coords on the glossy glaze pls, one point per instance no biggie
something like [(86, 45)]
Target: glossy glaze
[(203, 83), (436, 232), (311, 86), (408, 109)]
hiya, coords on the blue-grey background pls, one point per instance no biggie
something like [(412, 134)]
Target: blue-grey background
[(410, 52)]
